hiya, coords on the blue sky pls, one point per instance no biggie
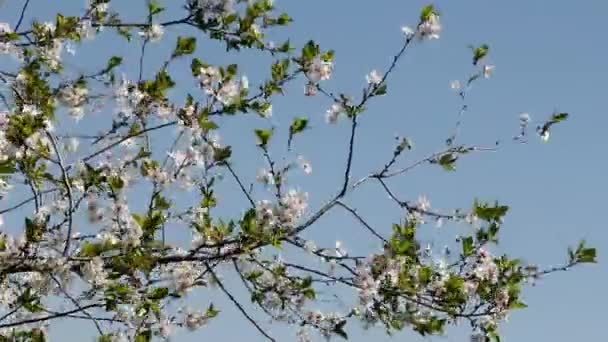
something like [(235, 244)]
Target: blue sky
[(549, 56)]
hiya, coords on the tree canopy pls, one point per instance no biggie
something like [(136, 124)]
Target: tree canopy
[(116, 177)]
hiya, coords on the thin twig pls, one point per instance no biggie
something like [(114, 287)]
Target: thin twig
[(22, 15), (238, 305), (362, 221), (49, 317)]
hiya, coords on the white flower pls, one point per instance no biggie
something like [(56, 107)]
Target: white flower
[(166, 328), (423, 203), (31, 110), (430, 28), (154, 33), (85, 29), (94, 272), (129, 143), (305, 165), (331, 116), (244, 82), (310, 246), (455, 85), (70, 48), (194, 320), (319, 70), (373, 78), (184, 277), (229, 92), (408, 31), (264, 176), (294, 205), (340, 252), (545, 135), (488, 70), (310, 89), (179, 158), (5, 28)]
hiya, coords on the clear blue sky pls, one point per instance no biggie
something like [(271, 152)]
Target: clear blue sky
[(549, 55)]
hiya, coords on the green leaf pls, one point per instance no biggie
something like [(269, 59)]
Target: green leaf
[(447, 161), (381, 90), (7, 167), (310, 51), (196, 66), (298, 125), (154, 7), (490, 213), (263, 136), (284, 19), (33, 231), (232, 69), (211, 311), (467, 246), (480, 52), (220, 154), (113, 62), (517, 305), (327, 56), (426, 12), (144, 336), (184, 46), (559, 117), (158, 293), (587, 255)]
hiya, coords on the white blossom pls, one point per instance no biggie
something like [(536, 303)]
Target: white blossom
[(423, 203), (195, 320), (319, 70), (408, 31), (488, 70), (305, 165), (545, 135), (431, 27), (94, 272), (373, 78), (331, 116), (154, 32)]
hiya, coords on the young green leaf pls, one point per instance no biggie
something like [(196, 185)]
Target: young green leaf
[(184, 46), (297, 126), (113, 62), (263, 136)]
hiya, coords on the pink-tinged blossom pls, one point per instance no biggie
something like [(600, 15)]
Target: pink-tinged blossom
[(430, 28), (331, 116), (319, 70), (194, 320), (294, 205)]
